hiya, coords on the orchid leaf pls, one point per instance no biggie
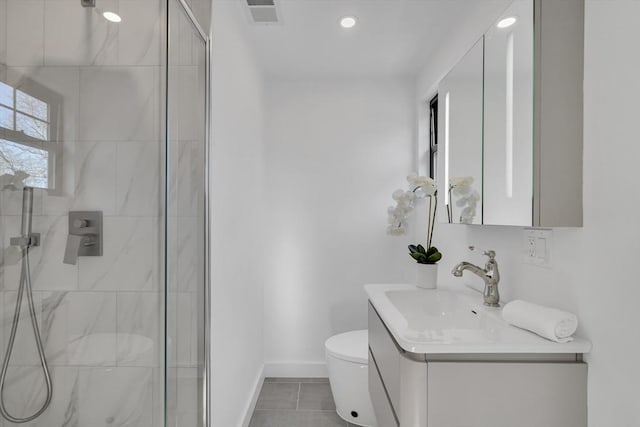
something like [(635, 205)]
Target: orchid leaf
[(418, 256), (433, 258)]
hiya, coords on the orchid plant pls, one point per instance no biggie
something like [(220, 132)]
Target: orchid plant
[(422, 187)]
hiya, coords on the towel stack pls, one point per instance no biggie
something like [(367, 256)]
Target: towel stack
[(550, 323)]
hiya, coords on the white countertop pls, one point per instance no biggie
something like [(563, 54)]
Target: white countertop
[(448, 321)]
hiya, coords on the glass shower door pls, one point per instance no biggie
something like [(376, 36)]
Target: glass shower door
[(81, 119), (185, 245)]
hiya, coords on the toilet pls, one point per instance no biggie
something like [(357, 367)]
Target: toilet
[(347, 361)]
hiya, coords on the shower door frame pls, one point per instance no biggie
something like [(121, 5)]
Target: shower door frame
[(204, 318)]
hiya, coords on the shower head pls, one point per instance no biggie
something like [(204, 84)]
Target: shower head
[(106, 14)]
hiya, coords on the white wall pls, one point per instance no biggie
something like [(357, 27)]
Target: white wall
[(236, 260), (593, 273), (335, 151)]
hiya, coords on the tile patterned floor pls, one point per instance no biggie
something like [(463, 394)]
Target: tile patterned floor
[(296, 402)]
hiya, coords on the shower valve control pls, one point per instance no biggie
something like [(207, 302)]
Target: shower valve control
[(85, 235)]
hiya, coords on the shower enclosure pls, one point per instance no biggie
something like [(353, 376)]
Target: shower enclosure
[(108, 117)]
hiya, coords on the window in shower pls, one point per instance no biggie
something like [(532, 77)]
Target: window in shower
[(30, 145)]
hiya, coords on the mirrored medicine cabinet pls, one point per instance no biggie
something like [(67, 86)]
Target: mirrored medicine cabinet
[(510, 121)]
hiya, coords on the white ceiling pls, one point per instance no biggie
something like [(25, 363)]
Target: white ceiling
[(393, 37)]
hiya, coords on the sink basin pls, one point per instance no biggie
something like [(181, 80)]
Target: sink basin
[(455, 321), (442, 317)]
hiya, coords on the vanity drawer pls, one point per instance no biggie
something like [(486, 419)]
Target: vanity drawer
[(507, 394), (381, 405), (386, 356)]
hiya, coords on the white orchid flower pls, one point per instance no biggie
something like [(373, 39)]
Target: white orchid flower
[(422, 181), (397, 229), (410, 195), (397, 194), (429, 188), (404, 207), (412, 177), (424, 184), (416, 180), (420, 187)]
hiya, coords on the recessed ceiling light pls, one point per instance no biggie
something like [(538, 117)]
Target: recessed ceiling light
[(110, 16), (348, 21), (507, 22)]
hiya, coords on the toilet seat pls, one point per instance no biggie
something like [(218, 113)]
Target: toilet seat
[(350, 346)]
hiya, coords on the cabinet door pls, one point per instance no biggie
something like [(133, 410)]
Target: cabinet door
[(386, 356), (381, 405), (508, 118)]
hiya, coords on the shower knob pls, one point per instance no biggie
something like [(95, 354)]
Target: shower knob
[(80, 223)]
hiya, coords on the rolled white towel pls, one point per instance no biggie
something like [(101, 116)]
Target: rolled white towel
[(555, 325)]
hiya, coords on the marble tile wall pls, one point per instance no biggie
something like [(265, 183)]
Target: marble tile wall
[(101, 320)]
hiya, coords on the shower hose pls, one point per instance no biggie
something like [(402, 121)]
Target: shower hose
[(25, 282)]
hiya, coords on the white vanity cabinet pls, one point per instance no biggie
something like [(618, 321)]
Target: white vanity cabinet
[(473, 390)]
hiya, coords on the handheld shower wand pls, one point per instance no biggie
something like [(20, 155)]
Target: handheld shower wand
[(26, 240), (27, 211)]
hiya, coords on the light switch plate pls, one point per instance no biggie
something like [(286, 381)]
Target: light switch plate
[(537, 246)]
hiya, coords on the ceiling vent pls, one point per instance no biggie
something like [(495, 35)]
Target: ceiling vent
[(263, 11)]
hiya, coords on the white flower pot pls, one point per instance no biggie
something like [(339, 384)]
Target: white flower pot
[(426, 276)]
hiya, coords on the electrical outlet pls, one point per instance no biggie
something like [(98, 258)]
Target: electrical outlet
[(530, 246), (537, 246)]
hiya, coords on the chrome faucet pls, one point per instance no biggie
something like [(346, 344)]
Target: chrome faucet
[(489, 274)]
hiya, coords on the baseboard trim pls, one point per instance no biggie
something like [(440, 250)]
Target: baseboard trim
[(251, 404), (296, 369)]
